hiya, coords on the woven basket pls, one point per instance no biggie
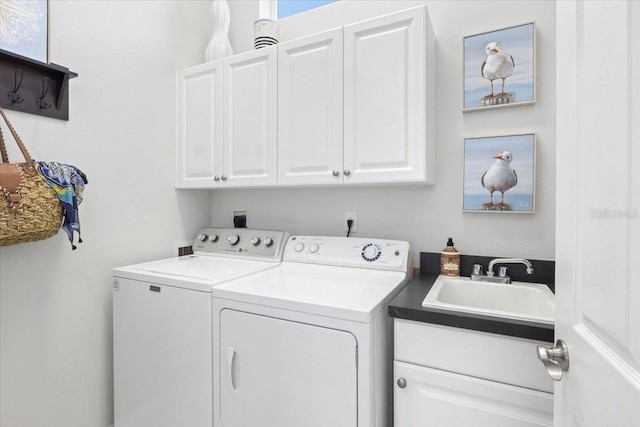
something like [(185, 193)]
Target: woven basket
[(32, 211)]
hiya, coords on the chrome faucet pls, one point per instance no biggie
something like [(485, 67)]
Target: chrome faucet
[(502, 272)]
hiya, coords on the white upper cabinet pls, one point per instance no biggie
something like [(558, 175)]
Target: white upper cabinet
[(226, 122), (354, 105), (198, 125), (250, 118), (389, 74), (310, 110)]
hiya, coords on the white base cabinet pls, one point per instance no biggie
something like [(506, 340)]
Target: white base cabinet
[(449, 377)]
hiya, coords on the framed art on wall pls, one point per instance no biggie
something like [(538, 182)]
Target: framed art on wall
[(24, 28), (499, 68), (499, 174)]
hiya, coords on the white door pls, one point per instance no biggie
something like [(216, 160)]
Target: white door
[(433, 397), (198, 125), (250, 118), (598, 212), (278, 373), (310, 109), (385, 96)]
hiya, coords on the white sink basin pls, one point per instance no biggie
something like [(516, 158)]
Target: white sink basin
[(517, 300)]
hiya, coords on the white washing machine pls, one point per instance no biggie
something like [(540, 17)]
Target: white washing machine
[(162, 326), (308, 343)]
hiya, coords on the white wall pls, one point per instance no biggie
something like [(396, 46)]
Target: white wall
[(55, 312), (425, 216)]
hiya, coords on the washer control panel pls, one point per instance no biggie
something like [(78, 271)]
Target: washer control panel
[(240, 243), (359, 252)]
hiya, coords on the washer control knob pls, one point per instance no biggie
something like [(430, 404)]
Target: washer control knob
[(299, 247), (203, 237), (233, 239), (313, 248), (255, 241), (213, 238), (267, 241)]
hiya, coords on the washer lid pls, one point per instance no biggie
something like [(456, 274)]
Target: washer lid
[(333, 291), (192, 272)]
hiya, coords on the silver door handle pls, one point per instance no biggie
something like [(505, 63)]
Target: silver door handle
[(555, 359), (231, 356), (335, 172)]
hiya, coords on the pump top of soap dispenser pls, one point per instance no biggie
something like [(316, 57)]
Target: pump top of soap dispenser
[(450, 241)]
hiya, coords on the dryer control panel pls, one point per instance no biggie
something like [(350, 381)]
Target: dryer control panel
[(247, 243), (380, 254)]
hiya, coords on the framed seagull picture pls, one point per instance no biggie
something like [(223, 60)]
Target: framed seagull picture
[(499, 68), (499, 174)]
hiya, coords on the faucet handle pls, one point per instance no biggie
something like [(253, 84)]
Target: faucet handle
[(477, 270), (502, 272)]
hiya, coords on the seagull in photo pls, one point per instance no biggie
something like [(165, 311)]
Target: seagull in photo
[(500, 176), (498, 65)]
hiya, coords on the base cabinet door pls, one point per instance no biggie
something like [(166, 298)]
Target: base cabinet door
[(431, 397)]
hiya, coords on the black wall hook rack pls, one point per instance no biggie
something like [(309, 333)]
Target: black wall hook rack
[(34, 87)]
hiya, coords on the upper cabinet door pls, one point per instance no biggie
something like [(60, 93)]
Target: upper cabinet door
[(385, 99), (250, 105), (198, 125), (310, 125)]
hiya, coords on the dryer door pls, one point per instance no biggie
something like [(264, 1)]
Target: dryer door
[(278, 373)]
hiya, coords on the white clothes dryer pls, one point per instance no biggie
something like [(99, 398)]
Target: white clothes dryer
[(308, 343), (162, 326)]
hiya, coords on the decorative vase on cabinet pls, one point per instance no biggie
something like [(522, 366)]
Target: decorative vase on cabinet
[(219, 46)]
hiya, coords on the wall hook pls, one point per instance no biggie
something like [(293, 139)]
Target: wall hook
[(14, 96), (45, 88)]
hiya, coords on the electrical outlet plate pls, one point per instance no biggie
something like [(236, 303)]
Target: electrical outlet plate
[(354, 217)]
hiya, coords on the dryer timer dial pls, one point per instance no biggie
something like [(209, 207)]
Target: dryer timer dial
[(371, 252)]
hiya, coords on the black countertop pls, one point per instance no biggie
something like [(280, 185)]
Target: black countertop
[(408, 304)]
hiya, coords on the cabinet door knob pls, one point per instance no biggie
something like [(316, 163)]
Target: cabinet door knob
[(216, 178), (347, 172), (224, 178), (336, 172), (402, 383)]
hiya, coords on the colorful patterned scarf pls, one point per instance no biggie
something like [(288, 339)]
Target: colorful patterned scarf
[(68, 182)]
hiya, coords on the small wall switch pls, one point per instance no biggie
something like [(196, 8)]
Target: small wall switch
[(353, 216)]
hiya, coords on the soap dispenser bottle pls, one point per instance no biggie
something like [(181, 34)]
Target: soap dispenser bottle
[(450, 260)]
